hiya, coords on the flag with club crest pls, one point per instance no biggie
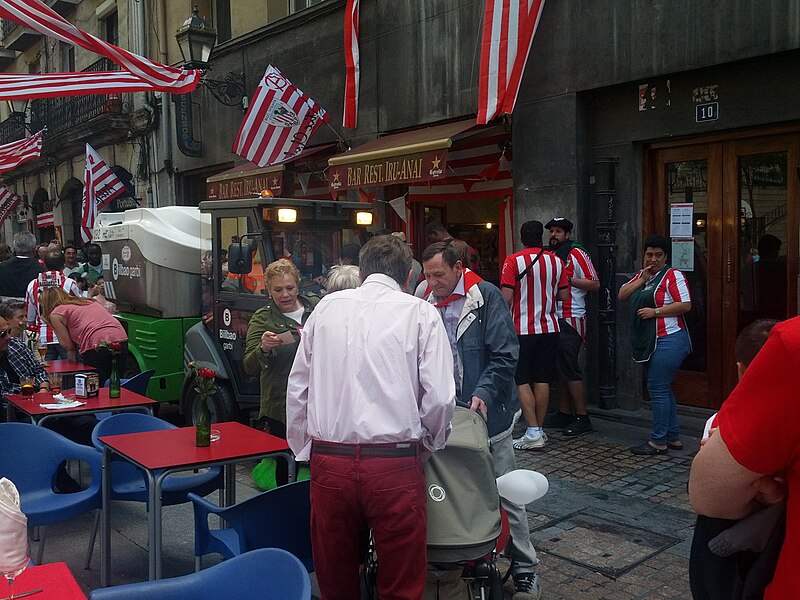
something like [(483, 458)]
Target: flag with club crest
[(8, 202), (279, 123), (100, 186)]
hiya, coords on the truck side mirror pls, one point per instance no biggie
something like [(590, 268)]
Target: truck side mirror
[(240, 258)]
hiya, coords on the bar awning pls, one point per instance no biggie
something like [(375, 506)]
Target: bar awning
[(247, 180), (410, 156)]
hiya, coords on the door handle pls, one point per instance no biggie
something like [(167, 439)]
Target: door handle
[(729, 264)]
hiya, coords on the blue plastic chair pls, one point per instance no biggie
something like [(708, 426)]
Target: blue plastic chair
[(129, 483), (30, 456), (279, 518), (138, 383), (265, 574)]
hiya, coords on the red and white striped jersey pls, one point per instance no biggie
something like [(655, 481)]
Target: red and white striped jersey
[(534, 305), (579, 266), (673, 288), (44, 280)]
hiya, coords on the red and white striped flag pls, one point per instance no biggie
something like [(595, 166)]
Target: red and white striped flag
[(15, 153), (36, 15), (279, 123), (8, 202), (508, 30), (53, 85), (100, 186), (351, 60)]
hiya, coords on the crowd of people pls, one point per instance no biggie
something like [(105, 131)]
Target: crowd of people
[(53, 307), (506, 347)]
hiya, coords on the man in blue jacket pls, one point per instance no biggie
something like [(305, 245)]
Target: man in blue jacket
[(485, 351)]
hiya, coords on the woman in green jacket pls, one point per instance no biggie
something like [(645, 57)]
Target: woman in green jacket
[(272, 338)]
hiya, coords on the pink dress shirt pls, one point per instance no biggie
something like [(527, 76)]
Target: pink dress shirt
[(373, 366)]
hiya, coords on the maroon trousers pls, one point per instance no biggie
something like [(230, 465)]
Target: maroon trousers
[(385, 494)]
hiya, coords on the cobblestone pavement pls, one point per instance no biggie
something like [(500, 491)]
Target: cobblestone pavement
[(613, 525)]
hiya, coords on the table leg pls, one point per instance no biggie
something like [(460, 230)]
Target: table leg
[(229, 478), (153, 515), (155, 552), (105, 520)]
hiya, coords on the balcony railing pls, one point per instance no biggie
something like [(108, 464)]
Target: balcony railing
[(7, 27), (11, 130), (63, 114)]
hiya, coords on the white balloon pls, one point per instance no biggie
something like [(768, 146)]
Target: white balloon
[(522, 486)]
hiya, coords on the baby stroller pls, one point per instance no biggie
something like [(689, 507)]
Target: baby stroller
[(466, 526)]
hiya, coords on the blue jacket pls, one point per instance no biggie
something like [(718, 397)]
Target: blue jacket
[(488, 348)]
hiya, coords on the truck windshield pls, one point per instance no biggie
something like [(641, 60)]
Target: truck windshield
[(315, 251)]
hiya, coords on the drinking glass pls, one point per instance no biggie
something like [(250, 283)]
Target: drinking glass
[(55, 383), (12, 573), (42, 348), (27, 385)]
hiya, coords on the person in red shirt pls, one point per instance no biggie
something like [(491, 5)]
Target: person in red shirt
[(532, 281), (751, 461)]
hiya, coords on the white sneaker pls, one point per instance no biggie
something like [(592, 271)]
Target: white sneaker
[(530, 443)]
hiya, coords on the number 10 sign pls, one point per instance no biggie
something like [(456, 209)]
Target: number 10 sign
[(708, 111)]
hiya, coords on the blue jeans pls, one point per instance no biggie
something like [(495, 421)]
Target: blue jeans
[(670, 352)]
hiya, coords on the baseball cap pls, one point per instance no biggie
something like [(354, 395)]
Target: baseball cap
[(561, 222)]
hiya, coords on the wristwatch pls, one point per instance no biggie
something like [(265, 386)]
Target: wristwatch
[(658, 311)]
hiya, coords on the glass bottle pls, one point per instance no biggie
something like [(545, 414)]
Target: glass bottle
[(113, 380), (202, 423)]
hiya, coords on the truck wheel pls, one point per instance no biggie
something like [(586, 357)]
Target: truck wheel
[(222, 405)]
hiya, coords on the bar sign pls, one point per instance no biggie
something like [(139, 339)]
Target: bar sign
[(706, 112)]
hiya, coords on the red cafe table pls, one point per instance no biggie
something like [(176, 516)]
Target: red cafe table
[(164, 452), (55, 581), (101, 403), (66, 366)]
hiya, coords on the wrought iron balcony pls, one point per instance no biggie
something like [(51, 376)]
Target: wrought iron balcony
[(68, 113), (11, 130), (18, 38)]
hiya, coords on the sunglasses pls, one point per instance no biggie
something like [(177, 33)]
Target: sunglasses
[(4, 333)]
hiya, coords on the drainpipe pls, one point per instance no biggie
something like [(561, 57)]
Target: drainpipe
[(606, 229), (165, 124)]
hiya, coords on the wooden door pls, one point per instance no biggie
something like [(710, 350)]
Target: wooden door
[(743, 250)]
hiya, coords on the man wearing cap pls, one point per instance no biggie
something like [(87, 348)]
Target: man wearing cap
[(532, 281), (582, 279)]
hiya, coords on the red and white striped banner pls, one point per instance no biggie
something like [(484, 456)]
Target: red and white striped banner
[(280, 121), (100, 186), (508, 30), (8, 202), (36, 15), (352, 66), (45, 220), (54, 85), (15, 153)]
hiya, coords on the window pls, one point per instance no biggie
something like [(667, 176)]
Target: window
[(298, 5), (66, 53), (222, 20), (110, 28)]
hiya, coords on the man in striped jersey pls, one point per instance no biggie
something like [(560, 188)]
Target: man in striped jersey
[(53, 277), (582, 279), (532, 281)]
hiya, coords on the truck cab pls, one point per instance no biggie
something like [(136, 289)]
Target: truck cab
[(247, 235)]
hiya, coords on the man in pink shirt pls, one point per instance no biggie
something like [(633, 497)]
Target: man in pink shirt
[(370, 394)]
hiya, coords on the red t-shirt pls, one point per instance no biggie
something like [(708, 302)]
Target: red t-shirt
[(535, 295), (760, 424)]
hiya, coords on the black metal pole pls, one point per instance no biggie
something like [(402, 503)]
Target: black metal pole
[(606, 227)]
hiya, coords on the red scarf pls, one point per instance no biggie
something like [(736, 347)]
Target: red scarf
[(470, 279)]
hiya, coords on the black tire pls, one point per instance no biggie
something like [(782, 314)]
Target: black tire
[(222, 405), (495, 584)]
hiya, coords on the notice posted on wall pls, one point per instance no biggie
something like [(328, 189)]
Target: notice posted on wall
[(681, 217), (683, 254)]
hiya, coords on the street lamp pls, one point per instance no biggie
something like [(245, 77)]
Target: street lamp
[(19, 113), (196, 39)]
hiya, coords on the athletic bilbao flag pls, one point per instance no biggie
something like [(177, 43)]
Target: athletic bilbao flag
[(508, 30), (15, 153), (279, 123), (8, 202), (351, 61), (100, 186)]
